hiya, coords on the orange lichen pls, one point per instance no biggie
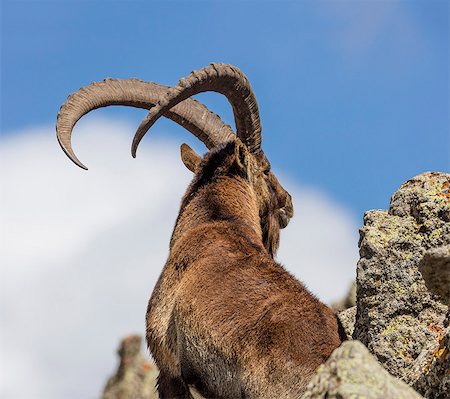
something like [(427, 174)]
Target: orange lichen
[(436, 329), (146, 366), (445, 190), (441, 352)]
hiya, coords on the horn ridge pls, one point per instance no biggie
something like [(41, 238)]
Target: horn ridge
[(222, 78), (191, 114)]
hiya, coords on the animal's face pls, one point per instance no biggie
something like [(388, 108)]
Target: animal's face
[(274, 202)]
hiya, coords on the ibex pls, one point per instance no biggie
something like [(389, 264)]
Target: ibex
[(225, 319)]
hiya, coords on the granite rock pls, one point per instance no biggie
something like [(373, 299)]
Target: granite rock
[(352, 372), (135, 377), (397, 316), (435, 269), (347, 318), (433, 368)]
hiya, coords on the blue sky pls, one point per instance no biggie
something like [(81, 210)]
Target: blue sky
[(354, 96), (354, 100)]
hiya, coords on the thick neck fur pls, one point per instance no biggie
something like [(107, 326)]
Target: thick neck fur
[(225, 198)]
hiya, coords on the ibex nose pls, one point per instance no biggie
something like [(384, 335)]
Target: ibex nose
[(283, 218), (289, 208)]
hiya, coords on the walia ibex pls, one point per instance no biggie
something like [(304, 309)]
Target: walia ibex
[(224, 319)]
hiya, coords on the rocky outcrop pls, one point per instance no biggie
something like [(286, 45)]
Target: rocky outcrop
[(398, 318), (352, 372), (347, 318), (135, 377), (433, 369)]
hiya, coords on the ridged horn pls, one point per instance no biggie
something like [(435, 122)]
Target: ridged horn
[(221, 78), (190, 114)]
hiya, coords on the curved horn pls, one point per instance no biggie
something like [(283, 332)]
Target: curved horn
[(221, 78), (191, 114)]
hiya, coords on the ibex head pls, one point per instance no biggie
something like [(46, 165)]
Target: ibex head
[(234, 159), (230, 154)]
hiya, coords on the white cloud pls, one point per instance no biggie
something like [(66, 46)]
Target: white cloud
[(81, 252)]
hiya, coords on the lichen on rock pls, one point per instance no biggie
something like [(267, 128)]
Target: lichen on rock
[(435, 269), (396, 311), (135, 377), (347, 318), (352, 372), (433, 368)]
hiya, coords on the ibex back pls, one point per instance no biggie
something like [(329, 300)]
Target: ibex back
[(224, 320)]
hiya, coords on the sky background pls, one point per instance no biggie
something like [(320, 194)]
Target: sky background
[(354, 100), (353, 95)]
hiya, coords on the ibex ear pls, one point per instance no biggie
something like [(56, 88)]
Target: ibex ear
[(190, 158)]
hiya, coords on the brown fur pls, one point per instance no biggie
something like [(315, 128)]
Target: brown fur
[(224, 317)]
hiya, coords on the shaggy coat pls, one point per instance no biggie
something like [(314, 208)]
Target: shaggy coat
[(224, 317)]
